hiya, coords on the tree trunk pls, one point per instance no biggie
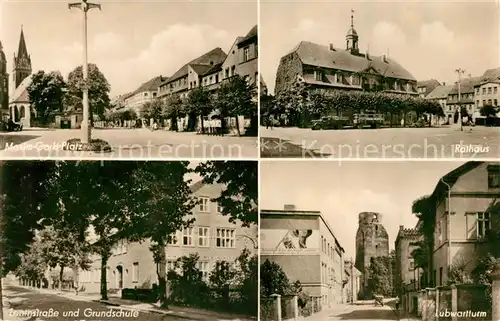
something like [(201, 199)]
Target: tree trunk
[(174, 126), (104, 277), (162, 277), (1, 263), (61, 272), (238, 126), (202, 124)]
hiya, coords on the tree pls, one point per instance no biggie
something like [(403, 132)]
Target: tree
[(273, 279), (247, 276), (236, 98), (98, 88), (239, 198), (174, 108), (46, 93), (32, 265), (424, 208), (379, 276), (199, 105), (153, 109), (222, 278), (188, 287), (161, 203)]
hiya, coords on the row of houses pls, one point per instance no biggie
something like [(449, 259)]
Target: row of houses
[(303, 244), (211, 236), (209, 70), (475, 93), (461, 200)]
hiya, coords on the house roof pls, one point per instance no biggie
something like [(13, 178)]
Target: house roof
[(440, 92), (429, 85), (251, 34), (466, 85), (490, 75), (150, 85), (213, 57), (452, 177), (322, 56), (20, 94)]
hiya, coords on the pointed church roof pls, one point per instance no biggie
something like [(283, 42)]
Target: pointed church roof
[(22, 51), (20, 94), (2, 54)]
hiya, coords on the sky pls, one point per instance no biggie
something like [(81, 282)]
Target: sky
[(342, 190), (431, 39), (130, 41)]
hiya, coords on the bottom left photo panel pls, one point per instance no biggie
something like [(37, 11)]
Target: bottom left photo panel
[(129, 240)]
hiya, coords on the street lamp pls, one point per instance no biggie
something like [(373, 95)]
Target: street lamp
[(85, 6), (448, 225), (460, 72)]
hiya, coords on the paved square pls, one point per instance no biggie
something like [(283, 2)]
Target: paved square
[(407, 143), (127, 143)]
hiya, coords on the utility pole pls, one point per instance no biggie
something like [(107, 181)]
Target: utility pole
[(352, 281), (85, 6), (460, 72)]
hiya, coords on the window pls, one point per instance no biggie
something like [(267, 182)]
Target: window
[(217, 78), (203, 236), (484, 91), (170, 265), (493, 176), (204, 269), (483, 224), (233, 70), (187, 236), (477, 91), (484, 102), (477, 102), (225, 238), (174, 239), (489, 90), (495, 90), (495, 102), (489, 101), (145, 94), (204, 204), (411, 267), (318, 75), (246, 54), (154, 95), (135, 272), (219, 209)]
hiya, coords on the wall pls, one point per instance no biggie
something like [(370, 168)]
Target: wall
[(488, 96), (250, 67)]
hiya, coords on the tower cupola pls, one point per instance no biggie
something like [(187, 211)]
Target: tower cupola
[(352, 37)]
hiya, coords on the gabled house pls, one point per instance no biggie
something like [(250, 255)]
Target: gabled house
[(425, 87)]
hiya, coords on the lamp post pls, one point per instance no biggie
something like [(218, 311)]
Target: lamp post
[(85, 6), (448, 228), (460, 72)]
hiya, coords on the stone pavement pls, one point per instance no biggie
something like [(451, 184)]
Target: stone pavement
[(443, 142), (128, 143)]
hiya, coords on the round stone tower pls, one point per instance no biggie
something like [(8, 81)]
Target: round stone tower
[(372, 241)]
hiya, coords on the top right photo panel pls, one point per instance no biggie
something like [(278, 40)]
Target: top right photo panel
[(365, 80)]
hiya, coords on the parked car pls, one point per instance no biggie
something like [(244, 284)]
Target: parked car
[(330, 122), (10, 126)]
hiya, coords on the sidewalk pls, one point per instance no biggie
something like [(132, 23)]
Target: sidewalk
[(118, 303)]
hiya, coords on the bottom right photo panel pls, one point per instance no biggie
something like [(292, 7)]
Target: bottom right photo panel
[(384, 240)]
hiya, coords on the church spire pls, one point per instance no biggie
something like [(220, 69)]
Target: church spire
[(22, 62), (352, 18), (22, 51)]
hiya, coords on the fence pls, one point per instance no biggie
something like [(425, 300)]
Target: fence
[(288, 307), (450, 303)]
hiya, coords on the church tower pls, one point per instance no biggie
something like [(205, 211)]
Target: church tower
[(4, 81), (22, 62), (352, 38)]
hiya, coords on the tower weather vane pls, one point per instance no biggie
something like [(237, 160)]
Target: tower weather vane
[(85, 6), (352, 18)]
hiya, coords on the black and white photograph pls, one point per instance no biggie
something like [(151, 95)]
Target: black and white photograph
[(380, 79), (384, 240), (129, 79), (129, 240)]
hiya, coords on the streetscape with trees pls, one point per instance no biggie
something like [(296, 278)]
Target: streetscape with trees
[(299, 105), (46, 223)]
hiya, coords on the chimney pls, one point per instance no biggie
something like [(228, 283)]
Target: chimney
[(401, 227), (331, 47), (289, 207), (444, 83), (384, 57)]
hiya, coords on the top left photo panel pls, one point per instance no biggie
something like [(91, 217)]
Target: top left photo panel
[(129, 79)]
